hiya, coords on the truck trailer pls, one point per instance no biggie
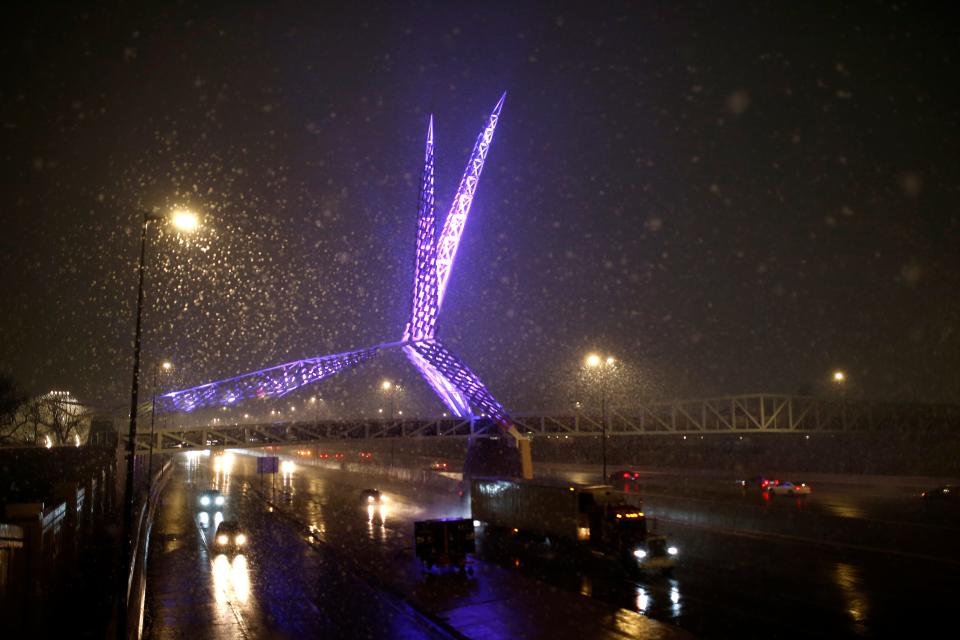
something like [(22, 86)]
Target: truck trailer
[(595, 518)]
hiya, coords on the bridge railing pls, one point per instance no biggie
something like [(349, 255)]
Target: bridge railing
[(751, 413)]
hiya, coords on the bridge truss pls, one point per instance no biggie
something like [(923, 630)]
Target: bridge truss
[(731, 415)]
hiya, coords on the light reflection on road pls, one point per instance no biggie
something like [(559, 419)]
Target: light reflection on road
[(231, 581), (857, 604)]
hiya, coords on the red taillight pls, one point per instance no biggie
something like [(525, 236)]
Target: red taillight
[(636, 475), (626, 475)]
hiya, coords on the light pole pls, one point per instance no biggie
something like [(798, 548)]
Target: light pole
[(166, 365), (187, 222), (603, 366), (391, 390)]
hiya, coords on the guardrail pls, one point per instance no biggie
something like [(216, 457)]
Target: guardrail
[(136, 579)]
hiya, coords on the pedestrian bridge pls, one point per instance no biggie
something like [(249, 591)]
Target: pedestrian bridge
[(742, 414)]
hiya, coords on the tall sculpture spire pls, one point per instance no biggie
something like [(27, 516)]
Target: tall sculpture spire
[(457, 386), (462, 201), (423, 314)]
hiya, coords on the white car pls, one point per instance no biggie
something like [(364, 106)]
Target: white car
[(785, 488)]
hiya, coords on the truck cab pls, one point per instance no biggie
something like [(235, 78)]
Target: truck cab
[(619, 529)]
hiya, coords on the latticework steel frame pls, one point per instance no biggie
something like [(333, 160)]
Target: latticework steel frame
[(456, 385), (754, 414)]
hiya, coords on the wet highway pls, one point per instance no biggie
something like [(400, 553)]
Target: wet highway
[(731, 582), (327, 564)]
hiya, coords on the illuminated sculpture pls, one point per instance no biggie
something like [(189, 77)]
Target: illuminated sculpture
[(456, 385)]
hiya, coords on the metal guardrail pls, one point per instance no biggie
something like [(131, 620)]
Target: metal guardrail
[(136, 579)]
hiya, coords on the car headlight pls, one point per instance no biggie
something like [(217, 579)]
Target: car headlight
[(240, 539), (219, 499), (673, 551), (204, 500), (640, 553), (221, 539), (369, 498)]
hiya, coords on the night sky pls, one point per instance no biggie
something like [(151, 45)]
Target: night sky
[(729, 199)]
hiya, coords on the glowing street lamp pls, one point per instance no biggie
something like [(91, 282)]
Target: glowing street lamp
[(391, 390), (603, 367), (839, 377), (186, 222)]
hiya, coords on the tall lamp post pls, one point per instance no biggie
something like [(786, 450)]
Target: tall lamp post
[(603, 367), (184, 221), (166, 366), (391, 390)]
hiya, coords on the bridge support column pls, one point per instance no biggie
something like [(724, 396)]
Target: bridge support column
[(495, 453)]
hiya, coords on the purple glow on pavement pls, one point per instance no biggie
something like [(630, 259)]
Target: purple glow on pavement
[(460, 208)]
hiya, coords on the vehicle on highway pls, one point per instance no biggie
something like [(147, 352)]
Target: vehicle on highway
[(444, 543), (230, 536), (756, 482), (372, 495), (324, 455), (366, 455), (945, 492), (211, 499), (439, 466), (338, 456), (593, 518), (787, 488)]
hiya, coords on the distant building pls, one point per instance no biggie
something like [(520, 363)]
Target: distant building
[(56, 418)]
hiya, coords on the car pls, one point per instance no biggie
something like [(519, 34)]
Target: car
[(366, 455), (372, 495), (755, 482), (211, 499), (945, 492), (439, 466), (324, 455), (619, 477), (785, 488), (338, 456), (230, 536)]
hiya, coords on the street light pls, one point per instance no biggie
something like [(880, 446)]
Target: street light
[(602, 366), (391, 391), (839, 377), (187, 222), (166, 366)]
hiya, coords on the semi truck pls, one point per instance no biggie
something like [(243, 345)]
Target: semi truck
[(594, 518)]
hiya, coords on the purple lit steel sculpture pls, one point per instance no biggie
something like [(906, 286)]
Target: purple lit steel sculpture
[(460, 208), (274, 382), (456, 373), (456, 385), (423, 316)]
